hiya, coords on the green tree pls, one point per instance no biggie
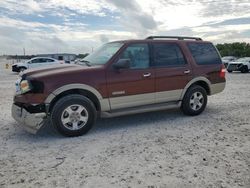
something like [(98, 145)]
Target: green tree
[(238, 49)]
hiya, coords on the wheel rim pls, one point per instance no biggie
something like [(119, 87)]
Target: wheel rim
[(196, 101), (74, 117)]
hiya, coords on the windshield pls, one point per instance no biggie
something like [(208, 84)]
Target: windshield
[(103, 54), (245, 59)]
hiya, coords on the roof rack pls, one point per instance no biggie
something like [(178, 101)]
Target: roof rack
[(173, 37)]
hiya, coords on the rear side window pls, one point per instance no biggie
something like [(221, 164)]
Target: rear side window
[(204, 53), (50, 60), (167, 55)]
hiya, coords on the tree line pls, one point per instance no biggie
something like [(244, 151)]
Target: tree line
[(238, 49)]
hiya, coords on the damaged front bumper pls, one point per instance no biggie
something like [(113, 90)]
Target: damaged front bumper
[(31, 122)]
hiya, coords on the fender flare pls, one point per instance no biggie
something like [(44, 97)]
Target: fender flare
[(200, 78), (104, 103), (69, 87)]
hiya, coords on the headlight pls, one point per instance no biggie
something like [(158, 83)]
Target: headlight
[(25, 86)]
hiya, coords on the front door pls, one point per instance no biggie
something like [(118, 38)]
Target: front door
[(135, 85), (172, 72)]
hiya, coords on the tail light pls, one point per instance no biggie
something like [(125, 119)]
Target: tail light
[(223, 71)]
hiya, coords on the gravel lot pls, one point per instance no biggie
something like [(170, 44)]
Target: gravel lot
[(158, 149)]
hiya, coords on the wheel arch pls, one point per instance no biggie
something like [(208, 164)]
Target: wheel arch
[(82, 89), (201, 81)]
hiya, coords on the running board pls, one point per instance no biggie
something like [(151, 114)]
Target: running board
[(141, 109)]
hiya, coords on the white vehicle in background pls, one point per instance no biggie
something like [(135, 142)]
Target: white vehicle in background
[(34, 63), (242, 64), (227, 59)]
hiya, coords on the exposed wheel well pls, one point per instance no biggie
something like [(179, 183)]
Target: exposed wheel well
[(204, 85), (83, 92), (22, 67)]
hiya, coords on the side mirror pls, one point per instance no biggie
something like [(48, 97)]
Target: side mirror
[(122, 64)]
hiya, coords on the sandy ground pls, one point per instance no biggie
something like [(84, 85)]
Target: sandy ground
[(158, 149)]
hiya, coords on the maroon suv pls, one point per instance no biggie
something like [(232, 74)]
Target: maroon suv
[(120, 78)]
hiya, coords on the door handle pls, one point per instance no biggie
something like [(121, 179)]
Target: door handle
[(148, 74), (186, 71)]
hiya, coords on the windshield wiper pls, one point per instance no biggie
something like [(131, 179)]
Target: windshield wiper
[(86, 62)]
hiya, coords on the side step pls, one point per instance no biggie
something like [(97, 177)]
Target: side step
[(141, 109)]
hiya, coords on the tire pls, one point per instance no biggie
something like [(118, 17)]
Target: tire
[(21, 69), (229, 71), (244, 69), (194, 101), (73, 115)]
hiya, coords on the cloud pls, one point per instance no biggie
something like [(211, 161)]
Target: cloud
[(225, 8), (133, 17), (76, 26)]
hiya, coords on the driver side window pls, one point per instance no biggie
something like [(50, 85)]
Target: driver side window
[(138, 54), (35, 61)]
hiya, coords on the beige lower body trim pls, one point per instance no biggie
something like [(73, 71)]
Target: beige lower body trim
[(144, 99), (131, 101), (166, 96), (104, 105), (217, 88)]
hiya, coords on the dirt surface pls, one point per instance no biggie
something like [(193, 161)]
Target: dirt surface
[(158, 149)]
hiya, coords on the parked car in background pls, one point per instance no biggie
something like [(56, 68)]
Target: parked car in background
[(242, 64), (227, 59), (34, 63), (121, 78)]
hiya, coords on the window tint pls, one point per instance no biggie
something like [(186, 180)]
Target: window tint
[(43, 60), (138, 54), (168, 55), (49, 60), (204, 53), (36, 61)]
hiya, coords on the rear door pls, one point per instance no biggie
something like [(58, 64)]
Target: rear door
[(133, 86), (50, 61), (35, 63), (172, 71)]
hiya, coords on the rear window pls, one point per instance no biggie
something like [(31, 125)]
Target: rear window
[(204, 53)]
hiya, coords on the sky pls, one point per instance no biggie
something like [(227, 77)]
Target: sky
[(78, 26)]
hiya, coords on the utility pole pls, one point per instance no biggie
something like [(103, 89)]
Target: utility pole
[(24, 51)]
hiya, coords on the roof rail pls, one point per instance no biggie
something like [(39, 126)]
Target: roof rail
[(173, 37)]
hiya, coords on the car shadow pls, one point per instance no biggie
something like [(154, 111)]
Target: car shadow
[(145, 120), (120, 123)]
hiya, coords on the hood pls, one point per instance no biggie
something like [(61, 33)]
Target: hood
[(225, 61), (54, 70), (19, 64), (237, 62)]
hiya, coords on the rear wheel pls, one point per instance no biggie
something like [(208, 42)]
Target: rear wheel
[(194, 101), (229, 71), (73, 115)]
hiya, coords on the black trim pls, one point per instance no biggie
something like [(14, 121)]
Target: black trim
[(32, 109)]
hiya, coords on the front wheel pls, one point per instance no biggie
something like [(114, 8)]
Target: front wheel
[(244, 69), (21, 69), (194, 101), (73, 115)]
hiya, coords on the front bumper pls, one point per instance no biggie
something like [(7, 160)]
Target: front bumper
[(31, 122), (234, 67), (15, 68)]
